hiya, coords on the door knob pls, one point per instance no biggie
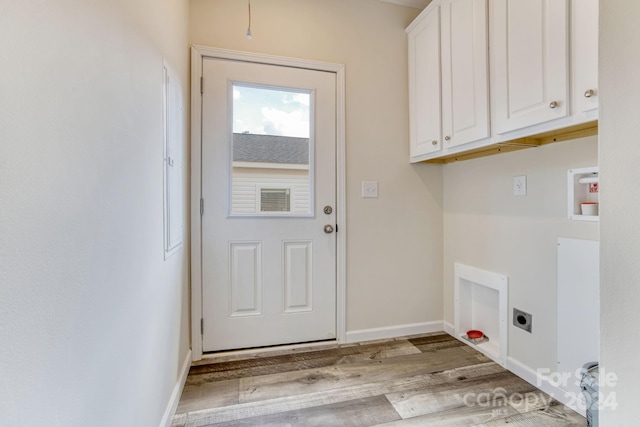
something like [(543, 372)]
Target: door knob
[(589, 93), (553, 104), (328, 229)]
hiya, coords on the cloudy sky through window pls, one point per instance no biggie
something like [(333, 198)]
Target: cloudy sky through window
[(268, 111)]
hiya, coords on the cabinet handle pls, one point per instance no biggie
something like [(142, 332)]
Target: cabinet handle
[(589, 93), (434, 142), (447, 138), (553, 104)]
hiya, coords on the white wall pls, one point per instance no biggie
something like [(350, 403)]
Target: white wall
[(394, 254), (620, 228), (93, 320), (489, 228)]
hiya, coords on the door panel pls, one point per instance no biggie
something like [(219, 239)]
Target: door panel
[(269, 268), (424, 82), (298, 276), (246, 278), (465, 83), (529, 62), (584, 54)]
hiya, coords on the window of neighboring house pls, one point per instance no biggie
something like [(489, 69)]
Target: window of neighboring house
[(275, 200)]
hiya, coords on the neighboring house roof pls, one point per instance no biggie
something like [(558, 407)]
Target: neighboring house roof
[(248, 147)]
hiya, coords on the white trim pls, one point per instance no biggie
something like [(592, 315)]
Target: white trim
[(168, 76), (172, 405), (393, 331), (416, 4), (197, 55), (260, 58), (341, 201), (543, 383), (496, 349), (196, 194), (449, 328)]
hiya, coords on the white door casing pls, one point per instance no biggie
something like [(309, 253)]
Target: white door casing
[(252, 260)]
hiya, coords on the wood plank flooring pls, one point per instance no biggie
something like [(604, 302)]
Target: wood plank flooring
[(427, 380)]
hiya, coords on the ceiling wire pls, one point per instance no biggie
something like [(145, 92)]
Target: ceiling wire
[(249, 35)]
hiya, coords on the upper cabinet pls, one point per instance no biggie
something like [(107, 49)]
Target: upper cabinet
[(500, 75), (424, 86), (584, 56), (529, 62), (448, 80), (465, 72)]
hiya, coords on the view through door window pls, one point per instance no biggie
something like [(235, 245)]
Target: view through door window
[(272, 161)]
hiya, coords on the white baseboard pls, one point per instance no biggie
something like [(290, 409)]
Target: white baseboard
[(544, 384), (177, 392), (449, 328), (393, 331)]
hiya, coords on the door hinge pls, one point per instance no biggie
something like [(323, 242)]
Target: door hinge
[(201, 85), (201, 207), (201, 326)]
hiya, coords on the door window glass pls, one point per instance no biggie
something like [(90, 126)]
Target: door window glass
[(271, 151)]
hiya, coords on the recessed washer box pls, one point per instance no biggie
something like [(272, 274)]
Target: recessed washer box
[(481, 304)]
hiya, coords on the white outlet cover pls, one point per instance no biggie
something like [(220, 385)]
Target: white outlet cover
[(369, 189), (520, 185)]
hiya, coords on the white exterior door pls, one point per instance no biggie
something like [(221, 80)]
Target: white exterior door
[(269, 192)]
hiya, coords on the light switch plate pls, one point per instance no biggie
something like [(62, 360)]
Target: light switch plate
[(520, 185), (369, 189)]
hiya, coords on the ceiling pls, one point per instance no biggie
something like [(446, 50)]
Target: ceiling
[(418, 4)]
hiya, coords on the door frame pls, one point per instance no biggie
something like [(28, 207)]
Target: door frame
[(198, 54)]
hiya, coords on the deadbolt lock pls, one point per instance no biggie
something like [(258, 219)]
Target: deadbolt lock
[(328, 210)]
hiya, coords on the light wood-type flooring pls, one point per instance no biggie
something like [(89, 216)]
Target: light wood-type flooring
[(427, 380)]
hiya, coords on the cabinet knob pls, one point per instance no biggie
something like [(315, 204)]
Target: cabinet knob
[(447, 138), (589, 93), (434, 142), (553, 104)]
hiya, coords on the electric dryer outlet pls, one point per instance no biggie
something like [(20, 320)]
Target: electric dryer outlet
[(522, 320)]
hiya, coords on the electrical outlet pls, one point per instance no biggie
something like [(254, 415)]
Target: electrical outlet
[(369, 189), (520, 185), (522, 320)]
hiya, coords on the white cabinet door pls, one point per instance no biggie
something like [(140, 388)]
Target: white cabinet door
[(465, 84), (424, 86), (529, 62), (584, 55)]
